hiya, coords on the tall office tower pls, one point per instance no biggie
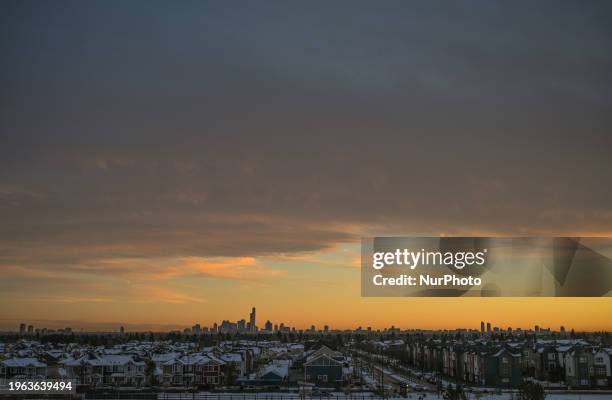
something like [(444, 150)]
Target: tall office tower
[(22, 329), (252, 320), (488, 327), (30, 329), (482, 327), (268, 326)]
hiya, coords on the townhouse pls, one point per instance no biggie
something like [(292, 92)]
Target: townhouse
[(588, 367), (547, 362), (193, 370), (577, 367), (602, 360), (452, 361), (105, 370), (500, 368)]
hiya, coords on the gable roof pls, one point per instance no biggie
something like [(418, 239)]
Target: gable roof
[(324, 351), (280, 370)]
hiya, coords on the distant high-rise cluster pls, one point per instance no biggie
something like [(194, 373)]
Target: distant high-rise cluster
[(30, 330), (241, 326), (536, 329)]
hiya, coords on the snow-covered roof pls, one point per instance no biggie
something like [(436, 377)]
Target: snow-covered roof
[(231, 357), (195, 359), (23, 362), (281, 370), (164, 357)]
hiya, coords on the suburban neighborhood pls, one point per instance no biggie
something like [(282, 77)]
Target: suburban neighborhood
[(311, 362)]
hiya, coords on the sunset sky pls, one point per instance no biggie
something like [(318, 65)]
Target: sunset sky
[(167, 163)]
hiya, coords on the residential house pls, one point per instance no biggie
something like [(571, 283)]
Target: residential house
[(193, 370), (324, 367), (601, 368), (578, 362), (23, 368), (500, 367)]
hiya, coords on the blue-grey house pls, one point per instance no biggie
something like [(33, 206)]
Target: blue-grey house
[(324, 368), (502, 368)]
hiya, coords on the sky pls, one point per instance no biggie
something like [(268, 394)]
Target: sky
[(165, 163)]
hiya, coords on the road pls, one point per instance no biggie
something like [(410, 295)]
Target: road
[(394, 379)]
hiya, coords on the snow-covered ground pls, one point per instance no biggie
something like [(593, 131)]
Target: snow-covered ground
[(509, 396), (358, 396)]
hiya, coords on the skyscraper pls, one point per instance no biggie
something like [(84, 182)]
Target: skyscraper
[(22, 329), (482, 327), (488, 327), (252, 320)]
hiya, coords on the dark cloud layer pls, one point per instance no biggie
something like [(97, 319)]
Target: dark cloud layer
[(161, 129)]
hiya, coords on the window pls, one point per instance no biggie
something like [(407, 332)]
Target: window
[(582, 359), (599, 360), (322, 378), (551, 356)]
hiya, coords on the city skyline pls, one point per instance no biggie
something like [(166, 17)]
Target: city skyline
[(242, 327)]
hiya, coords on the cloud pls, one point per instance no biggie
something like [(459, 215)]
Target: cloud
[(244, 268), (238, 268), (147, 293), (287, 133), (40, 284)]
